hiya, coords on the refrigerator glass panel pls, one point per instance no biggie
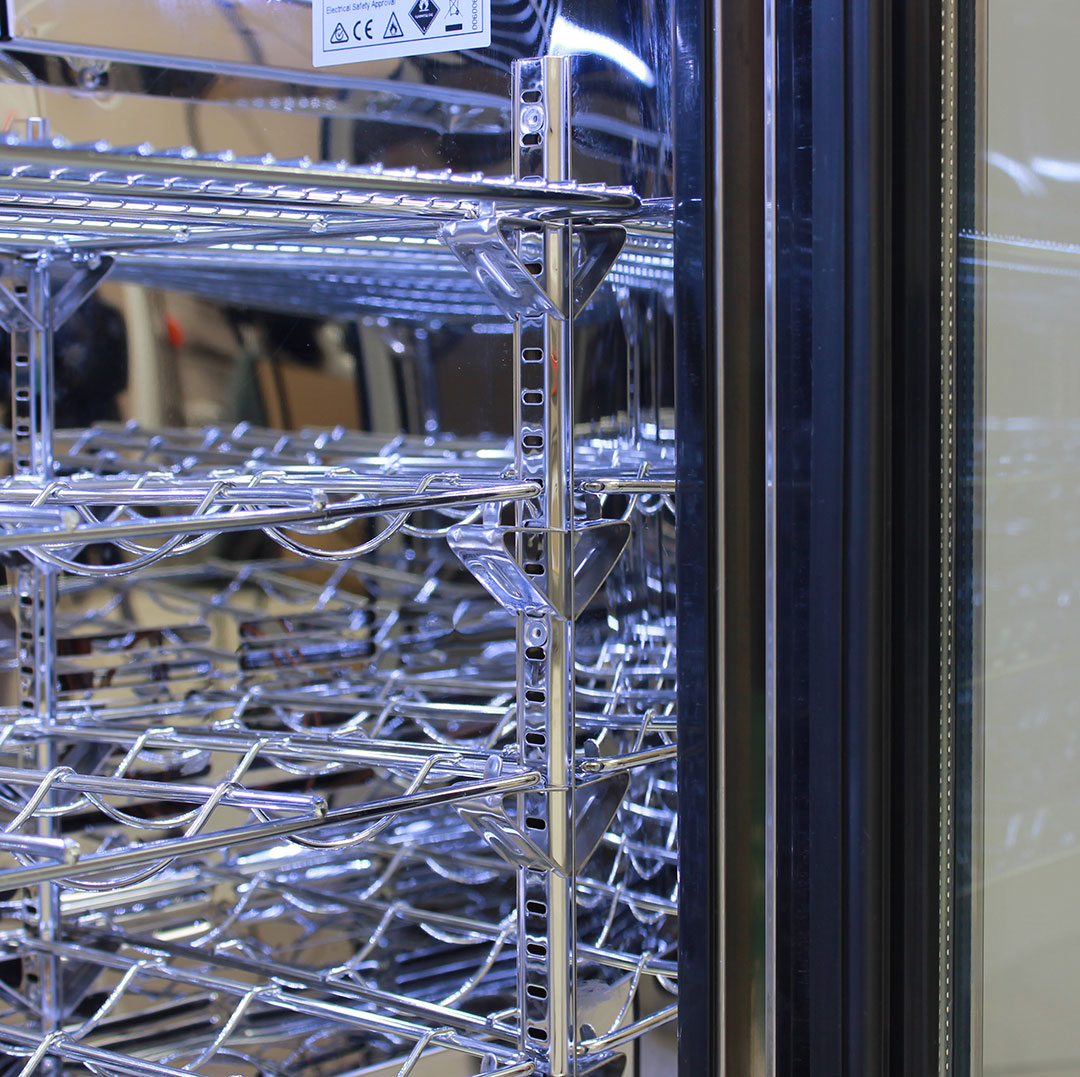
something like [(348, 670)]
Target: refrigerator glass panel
[(1012, 804)]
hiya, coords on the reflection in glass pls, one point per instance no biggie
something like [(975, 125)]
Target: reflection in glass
[(1026, 270)]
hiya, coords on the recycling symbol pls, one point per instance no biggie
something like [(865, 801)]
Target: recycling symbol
[(423, 13), (339, 36)]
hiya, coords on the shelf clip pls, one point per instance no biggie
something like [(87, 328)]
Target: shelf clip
[(596, 804), (518, 581), (495, 250), (66, 297)]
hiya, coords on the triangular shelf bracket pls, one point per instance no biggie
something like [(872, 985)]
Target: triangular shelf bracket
[(69, 291), (518, 580), (494, 251)]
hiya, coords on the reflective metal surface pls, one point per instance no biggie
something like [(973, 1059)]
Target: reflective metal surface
[(283, 787), (191, 70)]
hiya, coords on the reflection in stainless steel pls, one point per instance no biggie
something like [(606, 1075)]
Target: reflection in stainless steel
[(332, 807)]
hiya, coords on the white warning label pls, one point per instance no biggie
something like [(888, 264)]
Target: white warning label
[(352, 31)]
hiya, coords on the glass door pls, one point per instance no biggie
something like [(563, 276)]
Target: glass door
[(1010, 804)]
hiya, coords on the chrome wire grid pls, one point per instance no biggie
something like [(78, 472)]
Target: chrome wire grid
[(242, 892), (398, 792), (411, 277), (339, 240), (177, 490), (369, 688), (149, 196)]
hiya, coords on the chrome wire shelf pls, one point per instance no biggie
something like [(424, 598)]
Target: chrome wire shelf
[(293, 1022), (104, 191), (142, 798), (439, 670), (113, 448), (121, 864), (286, 505), (122, 486), (335, 239), (249, 730), (406, 965), (161, 635), (410, 277), (404, 781)]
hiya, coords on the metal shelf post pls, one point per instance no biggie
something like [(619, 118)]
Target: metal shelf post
[(35, 586), (544, 350)]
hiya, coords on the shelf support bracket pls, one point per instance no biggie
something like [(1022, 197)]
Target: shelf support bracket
[(503, 255)]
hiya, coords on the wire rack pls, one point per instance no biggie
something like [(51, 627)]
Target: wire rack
[(176, 905), (295, 234), (200, 820), (189, 196), (151, 495), (412, 277), (398, 792)]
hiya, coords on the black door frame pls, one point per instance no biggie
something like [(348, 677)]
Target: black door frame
[(856, 369), (720, 391), (837, 333)]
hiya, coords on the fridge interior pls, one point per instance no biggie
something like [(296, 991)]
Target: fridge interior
[(339, 732)]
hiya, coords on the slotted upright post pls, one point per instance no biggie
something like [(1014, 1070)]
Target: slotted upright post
[(32, 393), (544, 439), (30, 321)]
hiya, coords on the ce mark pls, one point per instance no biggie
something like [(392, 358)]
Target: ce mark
[(362, 30)]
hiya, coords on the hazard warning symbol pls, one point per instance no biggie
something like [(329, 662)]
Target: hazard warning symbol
[(358, 31), (423, 13)]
